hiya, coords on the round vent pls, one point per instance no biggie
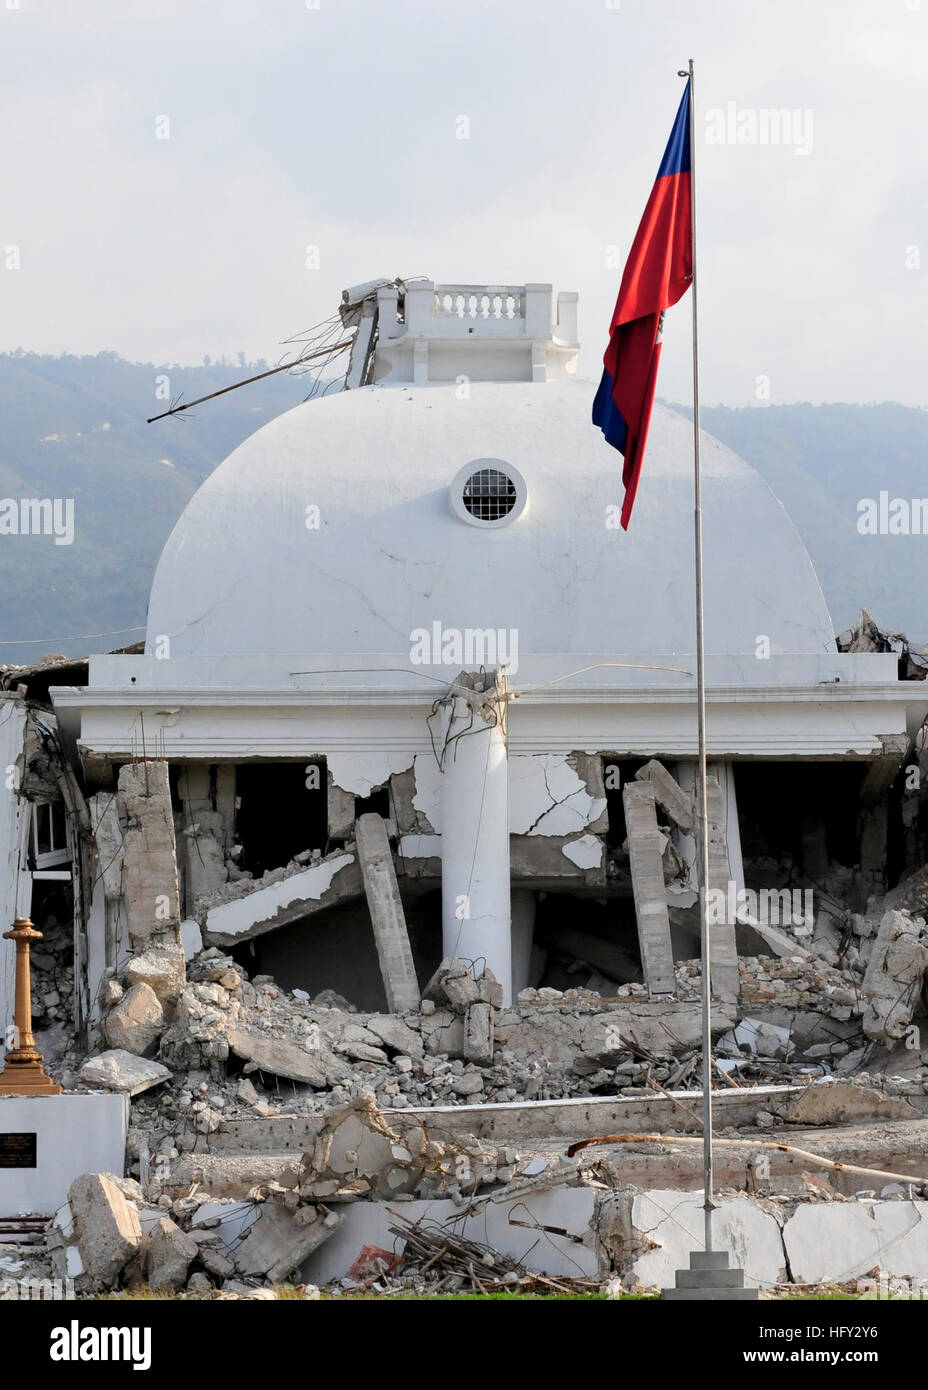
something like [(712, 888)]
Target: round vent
[(488, 492)]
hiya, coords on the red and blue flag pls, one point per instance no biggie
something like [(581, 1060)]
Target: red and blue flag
[(657, 273)]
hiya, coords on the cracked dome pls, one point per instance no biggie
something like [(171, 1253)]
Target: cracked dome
[(333, 529)]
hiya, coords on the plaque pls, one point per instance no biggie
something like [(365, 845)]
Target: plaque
[(17, 1151)]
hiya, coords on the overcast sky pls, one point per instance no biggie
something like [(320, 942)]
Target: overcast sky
[(335, 124)]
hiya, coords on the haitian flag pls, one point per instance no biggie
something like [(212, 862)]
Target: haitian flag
[(657, 273)]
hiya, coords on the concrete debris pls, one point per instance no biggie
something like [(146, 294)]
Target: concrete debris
[(162, 968), (106, 1225), (867, 636), (279, 1241), (169, 1255), (118, 1070), (477, 1045), (136, 1022), (279, 1057), (895, 974)]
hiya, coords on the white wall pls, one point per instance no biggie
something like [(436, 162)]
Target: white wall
[(74, 1134)]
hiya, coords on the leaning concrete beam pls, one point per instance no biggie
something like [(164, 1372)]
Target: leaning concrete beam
[(668, 793), (644, 852), (723, 947), (386, 908)]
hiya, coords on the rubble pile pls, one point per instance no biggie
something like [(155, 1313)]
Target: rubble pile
[(201, 1048), (116, 1231), (52, 970), (464, 1196)]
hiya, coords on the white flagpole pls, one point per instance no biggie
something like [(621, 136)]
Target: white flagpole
[(702, 817)]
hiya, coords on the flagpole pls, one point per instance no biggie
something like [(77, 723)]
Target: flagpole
[(702, 817)]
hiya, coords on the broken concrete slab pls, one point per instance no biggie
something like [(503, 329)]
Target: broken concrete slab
[(572, 1120), (280, 1240), (387, 917), (354, 1141), (169, 1255), (550, 797), (395, 1034), (107, 1227), (279, 1057), (650, 1234), (329, 881), (909, 896), (119, 1070), (571, 1249), (228, 1175), (443, 1031), (842, 1241), (654, 1026), (841, 1103), (136, 1022)]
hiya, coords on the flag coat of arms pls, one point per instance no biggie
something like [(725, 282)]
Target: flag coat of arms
[(658, 272)]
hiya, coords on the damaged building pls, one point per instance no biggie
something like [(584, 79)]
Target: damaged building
[(399, 790)]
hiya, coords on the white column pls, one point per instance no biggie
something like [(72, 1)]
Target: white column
[(475, 843)]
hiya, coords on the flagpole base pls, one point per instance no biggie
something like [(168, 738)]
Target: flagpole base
[(710, 1279)]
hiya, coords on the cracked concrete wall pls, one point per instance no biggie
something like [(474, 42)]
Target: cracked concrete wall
[(360, 773), (649, 1235), (557, 815)]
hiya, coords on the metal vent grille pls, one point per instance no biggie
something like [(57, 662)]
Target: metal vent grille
[(489, 495)]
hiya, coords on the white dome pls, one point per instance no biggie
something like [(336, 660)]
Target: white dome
[(243, 573)]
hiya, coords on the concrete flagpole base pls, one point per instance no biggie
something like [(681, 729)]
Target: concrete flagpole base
[(709, 1278)]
